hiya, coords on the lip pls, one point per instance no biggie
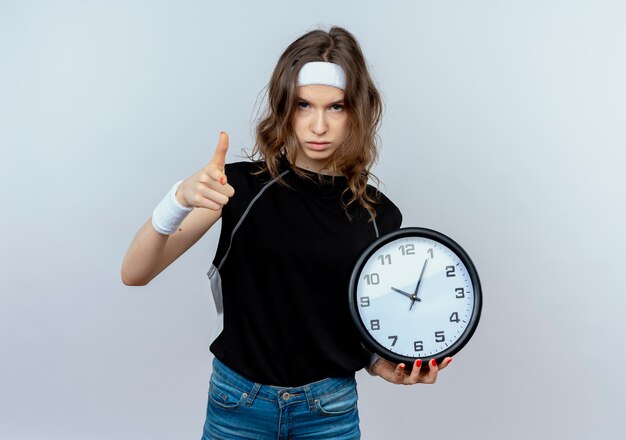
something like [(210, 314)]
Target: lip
[(317, 146)]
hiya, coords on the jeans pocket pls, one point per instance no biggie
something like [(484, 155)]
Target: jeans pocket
[(224, 394), (338, 402)]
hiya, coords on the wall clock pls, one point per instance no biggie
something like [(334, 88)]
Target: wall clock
[(415, 294)]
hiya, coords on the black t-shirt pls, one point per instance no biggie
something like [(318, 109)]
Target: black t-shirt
[(281, 272)]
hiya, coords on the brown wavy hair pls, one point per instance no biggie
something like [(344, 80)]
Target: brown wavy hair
[(354, 158)]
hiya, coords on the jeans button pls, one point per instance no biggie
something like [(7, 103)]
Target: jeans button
[(286, 396)]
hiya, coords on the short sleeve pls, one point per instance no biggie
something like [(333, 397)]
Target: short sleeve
[(388, 215)]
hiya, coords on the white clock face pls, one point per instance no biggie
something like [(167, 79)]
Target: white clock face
[(411, 320)]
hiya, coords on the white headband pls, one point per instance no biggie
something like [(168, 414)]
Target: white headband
[(322, 73)]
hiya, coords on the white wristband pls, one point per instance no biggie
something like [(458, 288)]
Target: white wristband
[(169, 214)]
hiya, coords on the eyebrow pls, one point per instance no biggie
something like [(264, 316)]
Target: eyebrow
[(340, 101)]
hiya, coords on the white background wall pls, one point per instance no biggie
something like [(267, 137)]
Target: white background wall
[(504, 129)]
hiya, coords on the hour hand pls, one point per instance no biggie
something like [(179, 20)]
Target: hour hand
[(412, 297)]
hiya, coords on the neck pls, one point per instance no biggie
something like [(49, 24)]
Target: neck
[(314, 168)]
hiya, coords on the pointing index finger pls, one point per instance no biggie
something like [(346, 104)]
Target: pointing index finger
[(219, 157)]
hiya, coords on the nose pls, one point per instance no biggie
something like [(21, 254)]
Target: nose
[(318, 123)]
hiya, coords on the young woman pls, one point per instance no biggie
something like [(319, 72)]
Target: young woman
[(294, 220)]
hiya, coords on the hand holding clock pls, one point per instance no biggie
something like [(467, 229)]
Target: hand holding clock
[(395, 373)]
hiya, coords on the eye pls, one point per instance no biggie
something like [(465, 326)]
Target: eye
[(303, 105), (337, 107)]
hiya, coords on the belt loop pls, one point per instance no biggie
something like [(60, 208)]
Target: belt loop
[(309, 397), (253, 392)]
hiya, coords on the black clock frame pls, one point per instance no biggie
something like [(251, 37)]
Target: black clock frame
[(367, 339)]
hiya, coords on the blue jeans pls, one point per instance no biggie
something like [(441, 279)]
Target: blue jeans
[(240, 408)]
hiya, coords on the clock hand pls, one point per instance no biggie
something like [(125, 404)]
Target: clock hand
[(413, 297), (418, 284)]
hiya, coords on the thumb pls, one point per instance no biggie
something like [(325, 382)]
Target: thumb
[(219, 157)]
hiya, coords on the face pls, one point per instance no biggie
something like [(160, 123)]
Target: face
[(320, 124)]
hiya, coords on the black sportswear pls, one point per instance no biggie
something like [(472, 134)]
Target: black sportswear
[(281, 272)]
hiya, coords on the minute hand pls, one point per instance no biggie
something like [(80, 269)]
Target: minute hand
[(418, 284)]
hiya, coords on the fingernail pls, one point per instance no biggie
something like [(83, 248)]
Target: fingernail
[(401, 365), (418, 363), (433, 363), (222, 180), (450, 361)]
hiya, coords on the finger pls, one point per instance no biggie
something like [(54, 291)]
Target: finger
[(216, 174), (399, 372), (432, 372), (215, 185), (415, 374), (202, 202), (216, 179), (432, 366), (445, 363), (208, 198), (215, 196), (227, 190), (219, 157), (210, 188)]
